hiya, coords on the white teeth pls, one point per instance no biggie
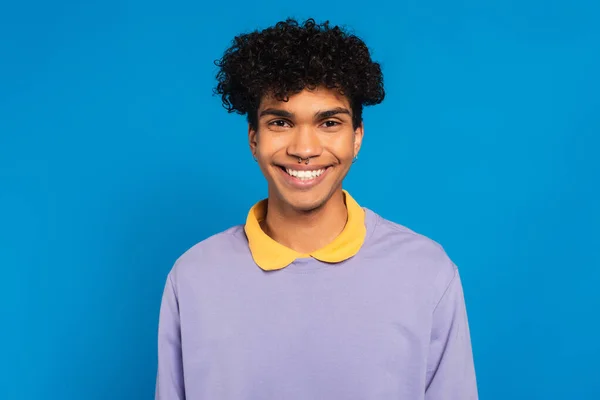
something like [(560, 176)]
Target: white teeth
[(305, 175)]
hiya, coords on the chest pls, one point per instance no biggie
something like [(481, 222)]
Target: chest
[(306, 335)]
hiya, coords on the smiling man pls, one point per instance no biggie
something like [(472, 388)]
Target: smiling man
[(314, 297)]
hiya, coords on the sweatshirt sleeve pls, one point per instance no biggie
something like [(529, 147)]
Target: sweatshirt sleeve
[(450, 367), (169, 379)]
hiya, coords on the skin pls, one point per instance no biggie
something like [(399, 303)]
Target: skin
[(317, 124)]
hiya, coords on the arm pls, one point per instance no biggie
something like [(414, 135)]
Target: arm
[(450, 368), (169, 379)]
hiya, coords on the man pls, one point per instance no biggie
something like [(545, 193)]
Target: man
[(314, 297)]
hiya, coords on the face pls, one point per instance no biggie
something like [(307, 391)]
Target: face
[(314, 126)]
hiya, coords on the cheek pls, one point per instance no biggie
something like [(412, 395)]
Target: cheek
[(343, 147), (270, 143), (264, 164), (266, 150)]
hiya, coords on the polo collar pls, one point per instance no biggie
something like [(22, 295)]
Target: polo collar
[(271, 255)]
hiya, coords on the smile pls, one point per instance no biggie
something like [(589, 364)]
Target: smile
[(305, 175), (303, 179)]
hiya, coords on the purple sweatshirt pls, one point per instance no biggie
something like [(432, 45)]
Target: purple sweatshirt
[(389, 324)]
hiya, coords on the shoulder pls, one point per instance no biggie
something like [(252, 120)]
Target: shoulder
[(219, 249), (416, 255)]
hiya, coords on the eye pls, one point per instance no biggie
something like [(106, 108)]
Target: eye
[(279, 123), (331, 124)]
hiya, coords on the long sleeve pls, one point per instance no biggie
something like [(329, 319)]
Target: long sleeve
[(169, 379), (450, 366)]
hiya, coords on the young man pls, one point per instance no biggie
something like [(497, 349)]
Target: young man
[(314, 297)]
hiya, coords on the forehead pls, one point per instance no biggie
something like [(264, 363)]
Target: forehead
[(308, 100)]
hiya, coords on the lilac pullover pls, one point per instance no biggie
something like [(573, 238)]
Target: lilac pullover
[(387, 324)]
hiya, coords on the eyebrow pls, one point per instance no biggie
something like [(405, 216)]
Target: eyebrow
[(276, 112), (331, 113), (318, 115)]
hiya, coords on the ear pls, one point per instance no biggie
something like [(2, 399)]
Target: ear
[(252, 139), (358, 138)]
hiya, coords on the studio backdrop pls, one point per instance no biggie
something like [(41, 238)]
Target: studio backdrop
[(115, 158)]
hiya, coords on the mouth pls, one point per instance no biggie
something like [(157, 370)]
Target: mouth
[(304, 175), (304, 178)]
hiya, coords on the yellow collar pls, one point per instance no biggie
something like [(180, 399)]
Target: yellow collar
[(271, 255)]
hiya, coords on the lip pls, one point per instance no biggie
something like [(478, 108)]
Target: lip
[(303, 184), (303, 166)]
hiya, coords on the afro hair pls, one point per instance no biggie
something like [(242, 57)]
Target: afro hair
[(286, 58)]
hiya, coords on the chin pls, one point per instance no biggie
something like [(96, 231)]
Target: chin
[(292, 196), (303, 202), (306, 206)]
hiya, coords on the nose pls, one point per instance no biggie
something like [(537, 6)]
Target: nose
[(305, 143)]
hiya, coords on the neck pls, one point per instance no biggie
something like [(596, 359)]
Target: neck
[(308, 231)]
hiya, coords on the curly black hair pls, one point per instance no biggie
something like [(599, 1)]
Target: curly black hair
[(286, 58)]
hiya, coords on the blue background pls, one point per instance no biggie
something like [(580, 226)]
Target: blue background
[(115, 158)]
